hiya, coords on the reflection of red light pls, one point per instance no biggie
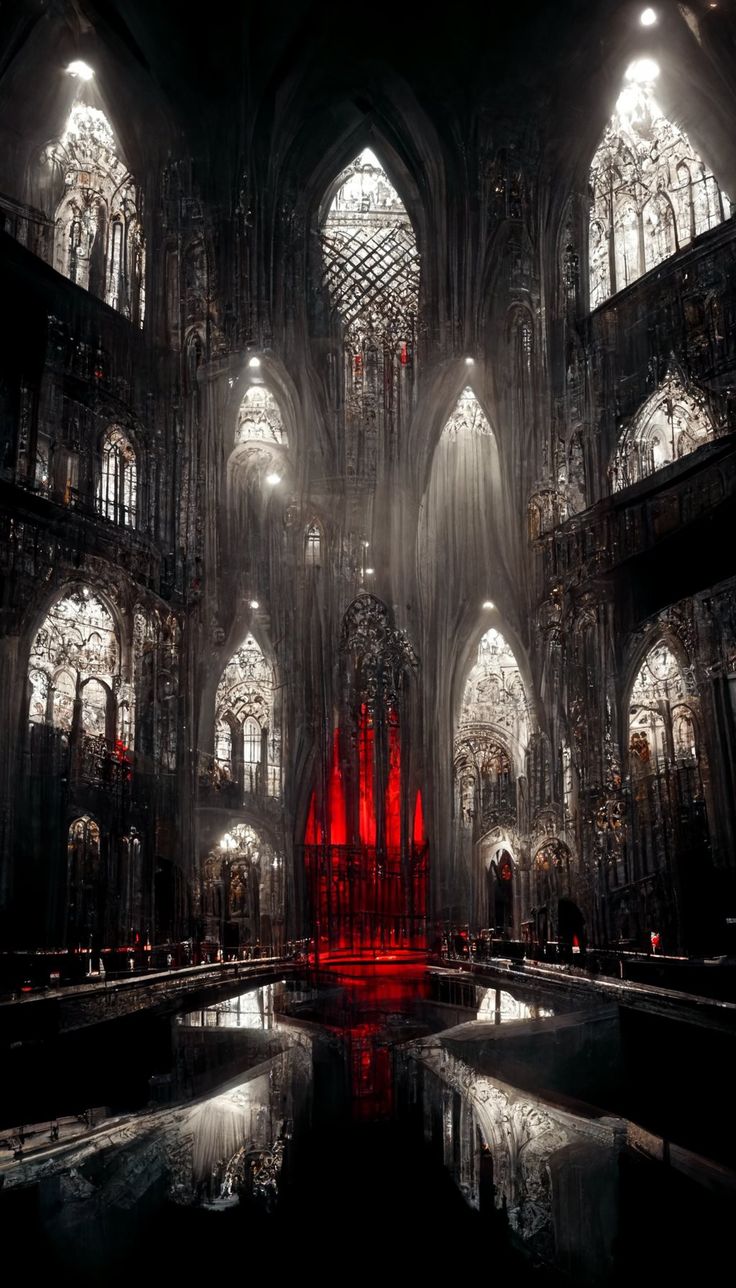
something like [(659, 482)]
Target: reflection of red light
[(404, 355)]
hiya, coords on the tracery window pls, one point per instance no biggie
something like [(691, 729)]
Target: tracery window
[(75, 657), (494, 692), (651, 193), (117, 492), (98, 238), (259, 418), (661, 725), (244, 708), (671, 424), (468, 418), (491, 739), (371, 271)]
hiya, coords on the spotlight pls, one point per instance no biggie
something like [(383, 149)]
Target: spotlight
[(273, 479), (642, 70), (253, 363), (647, 18), (366, 545), (488, 603), (369, 572), (469, 362), (253, 603), (80, 70)]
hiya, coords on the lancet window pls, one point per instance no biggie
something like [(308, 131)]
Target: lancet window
[(313, 546), (117, 492), (246, 745), (492, 737), (98, 234), (74, 667), (671, 424), (651, 193), (371, 271)]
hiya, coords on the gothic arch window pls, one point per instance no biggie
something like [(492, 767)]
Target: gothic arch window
[(371, 272), (494, 695), (491, 739), (259, 418), (313, 546), (244, 708), (658, 693), (650, 191), (98, 235), (75, 659), (117, 492), (243, 889), (468, 418), (671, 424)]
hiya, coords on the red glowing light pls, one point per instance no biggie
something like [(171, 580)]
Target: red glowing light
[(369, 891)]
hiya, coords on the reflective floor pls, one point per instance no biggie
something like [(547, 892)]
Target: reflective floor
[(352, 1117)]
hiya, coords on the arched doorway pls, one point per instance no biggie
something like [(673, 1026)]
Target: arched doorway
[(500, 893)]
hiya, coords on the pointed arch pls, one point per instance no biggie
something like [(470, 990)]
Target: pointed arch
[(370, 273), (650, 192), (673, 422), (313, 545), (259, 418), (246, 744), (98, 232), (494, 705), (76, 649), (117, 489)]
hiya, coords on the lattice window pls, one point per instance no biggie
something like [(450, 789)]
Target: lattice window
[(650, 192), (101, 203), (671, 424), (370, 256), (468, 418), (75, 656), (117, 490), (259, 418)]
